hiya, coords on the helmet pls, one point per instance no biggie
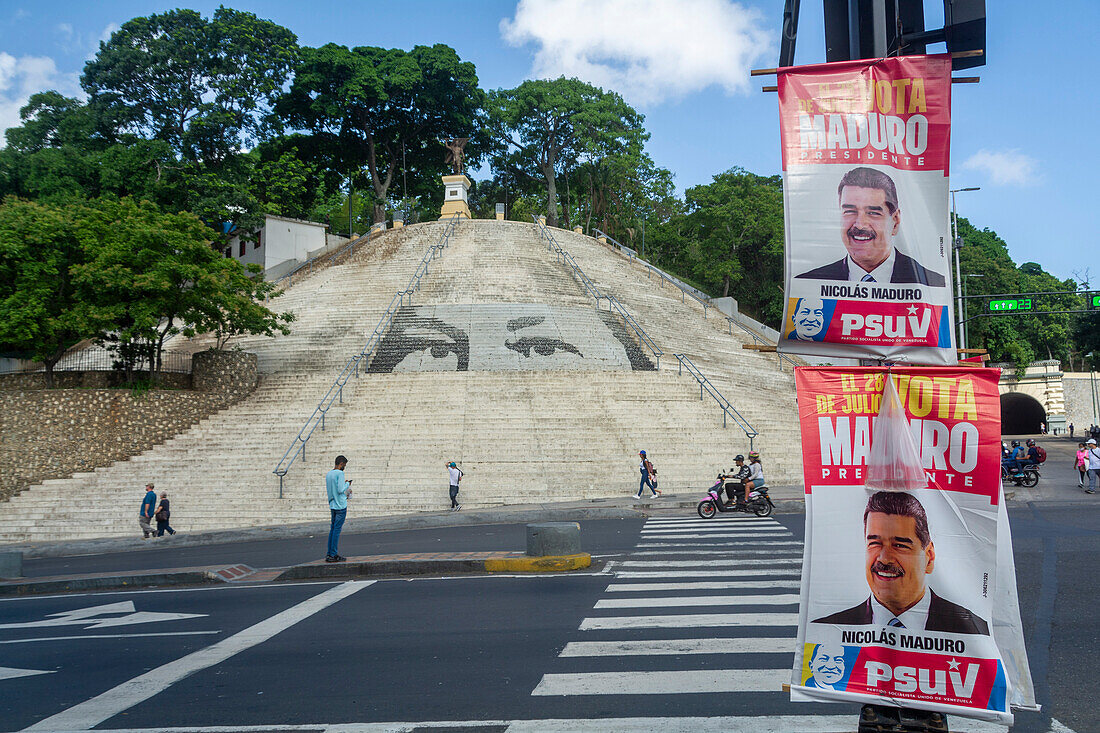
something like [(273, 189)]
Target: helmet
[(641, 452), (754, 456), (452, 465), (1030, 442), (739, 457), (1015, 444)]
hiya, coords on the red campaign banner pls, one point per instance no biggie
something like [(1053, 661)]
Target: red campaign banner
[(899, 585), (894, 111), (866, 152), (954, 417)]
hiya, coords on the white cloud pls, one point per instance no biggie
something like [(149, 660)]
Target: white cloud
[(66, 31), (1004, 167), (649, 51), (23, 76)]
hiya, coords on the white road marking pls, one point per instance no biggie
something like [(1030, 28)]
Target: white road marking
[(9, 673), (724, 553), (762, 543), (716, 520), (701, 585), (754, 536), (647, 647), (709, 573), (94, 617), (105, 706), (107, 636), (713, 529), (717, 724), (707, 563), (781, 599), (664, 683), (688, 621), (200, 589)]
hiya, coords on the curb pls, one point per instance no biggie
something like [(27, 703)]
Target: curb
[(109, 582), (545, 564), (433, 566)]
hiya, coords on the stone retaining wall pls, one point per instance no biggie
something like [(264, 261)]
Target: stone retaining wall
[(54, 433)]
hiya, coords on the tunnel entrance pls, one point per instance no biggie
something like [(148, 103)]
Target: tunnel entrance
[(1021, 414)]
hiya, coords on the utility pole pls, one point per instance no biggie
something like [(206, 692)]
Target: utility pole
[(960, 325)]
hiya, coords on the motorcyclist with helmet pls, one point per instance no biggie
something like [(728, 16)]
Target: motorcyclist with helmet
[(1033, 457), (1016, 455), (737, 485)]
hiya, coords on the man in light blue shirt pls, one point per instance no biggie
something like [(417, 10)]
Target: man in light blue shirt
[(339, 490)]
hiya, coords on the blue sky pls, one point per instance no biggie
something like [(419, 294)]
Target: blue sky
[(1021, 134)]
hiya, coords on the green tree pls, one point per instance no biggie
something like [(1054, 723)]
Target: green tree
[(43, 305), (205, 87), (373, 110), (542, 129), (153, 274)]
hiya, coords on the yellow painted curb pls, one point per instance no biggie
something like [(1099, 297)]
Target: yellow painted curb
[(548, 564)]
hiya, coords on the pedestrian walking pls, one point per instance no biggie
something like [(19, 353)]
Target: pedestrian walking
[(339, 491), (162, 516), (1081, 463), (649, 476), (454, 473), (1071, 430), (1094, 465), (145, 515)]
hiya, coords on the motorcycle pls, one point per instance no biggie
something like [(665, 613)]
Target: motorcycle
[(1027, 476), (757, 502)]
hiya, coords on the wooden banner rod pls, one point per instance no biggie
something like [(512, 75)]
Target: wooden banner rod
[(954, 55), (954, 80)]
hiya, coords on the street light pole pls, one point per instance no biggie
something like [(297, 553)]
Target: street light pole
[(960, 327)]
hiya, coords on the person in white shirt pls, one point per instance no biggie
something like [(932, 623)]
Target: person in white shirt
[(455, 474), (1094, 464)]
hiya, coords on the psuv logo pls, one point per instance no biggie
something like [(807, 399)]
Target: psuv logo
[(915, 323), (955, 681)]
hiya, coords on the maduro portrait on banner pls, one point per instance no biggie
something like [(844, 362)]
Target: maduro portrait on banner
[(898, 585), (865, 158)]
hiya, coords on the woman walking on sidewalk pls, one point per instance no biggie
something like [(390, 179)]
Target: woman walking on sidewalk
[(649, 476), (162, 516)]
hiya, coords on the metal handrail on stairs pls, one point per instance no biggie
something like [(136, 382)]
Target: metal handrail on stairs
[(707, 386), (590, 288), (699, 296), (336, 390)]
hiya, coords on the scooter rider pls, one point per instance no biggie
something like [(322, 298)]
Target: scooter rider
[(737, 484), (756, 474)]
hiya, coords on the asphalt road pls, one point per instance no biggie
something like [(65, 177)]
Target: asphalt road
[(490, 649)]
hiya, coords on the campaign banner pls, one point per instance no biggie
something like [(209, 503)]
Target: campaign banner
[(899, 586), (866, 148)]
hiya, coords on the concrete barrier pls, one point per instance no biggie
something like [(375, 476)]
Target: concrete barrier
[(553, 539), (11, 564)]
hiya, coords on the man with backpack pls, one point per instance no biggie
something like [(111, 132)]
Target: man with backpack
[(1036, 454)]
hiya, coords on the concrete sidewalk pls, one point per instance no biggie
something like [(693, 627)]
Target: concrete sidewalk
[(786, 499)]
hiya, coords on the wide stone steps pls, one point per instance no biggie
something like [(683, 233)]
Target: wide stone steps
[(521, 436)]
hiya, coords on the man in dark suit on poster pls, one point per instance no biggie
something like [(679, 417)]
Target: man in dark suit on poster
[(870, 219), (899, 556)]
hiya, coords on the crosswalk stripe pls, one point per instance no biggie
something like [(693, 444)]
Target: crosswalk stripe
[(779, 599), (701, 585), (748, 520), (706, 563), (713, 527), (688, 621), (708, 547), (728, 724), (721, 535), (741, 552), (663, 682), (792, 572), (654, 647)]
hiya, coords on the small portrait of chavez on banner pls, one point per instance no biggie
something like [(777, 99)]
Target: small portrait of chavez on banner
[(870, 219)]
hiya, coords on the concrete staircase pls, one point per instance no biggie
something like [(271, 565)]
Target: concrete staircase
[(522, 434)]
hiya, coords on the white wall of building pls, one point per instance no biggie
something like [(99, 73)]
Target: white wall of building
[(281, 240)]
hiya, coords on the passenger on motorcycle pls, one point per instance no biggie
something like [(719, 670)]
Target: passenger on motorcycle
[(756, 474), (1033, 456), (737, 485)]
